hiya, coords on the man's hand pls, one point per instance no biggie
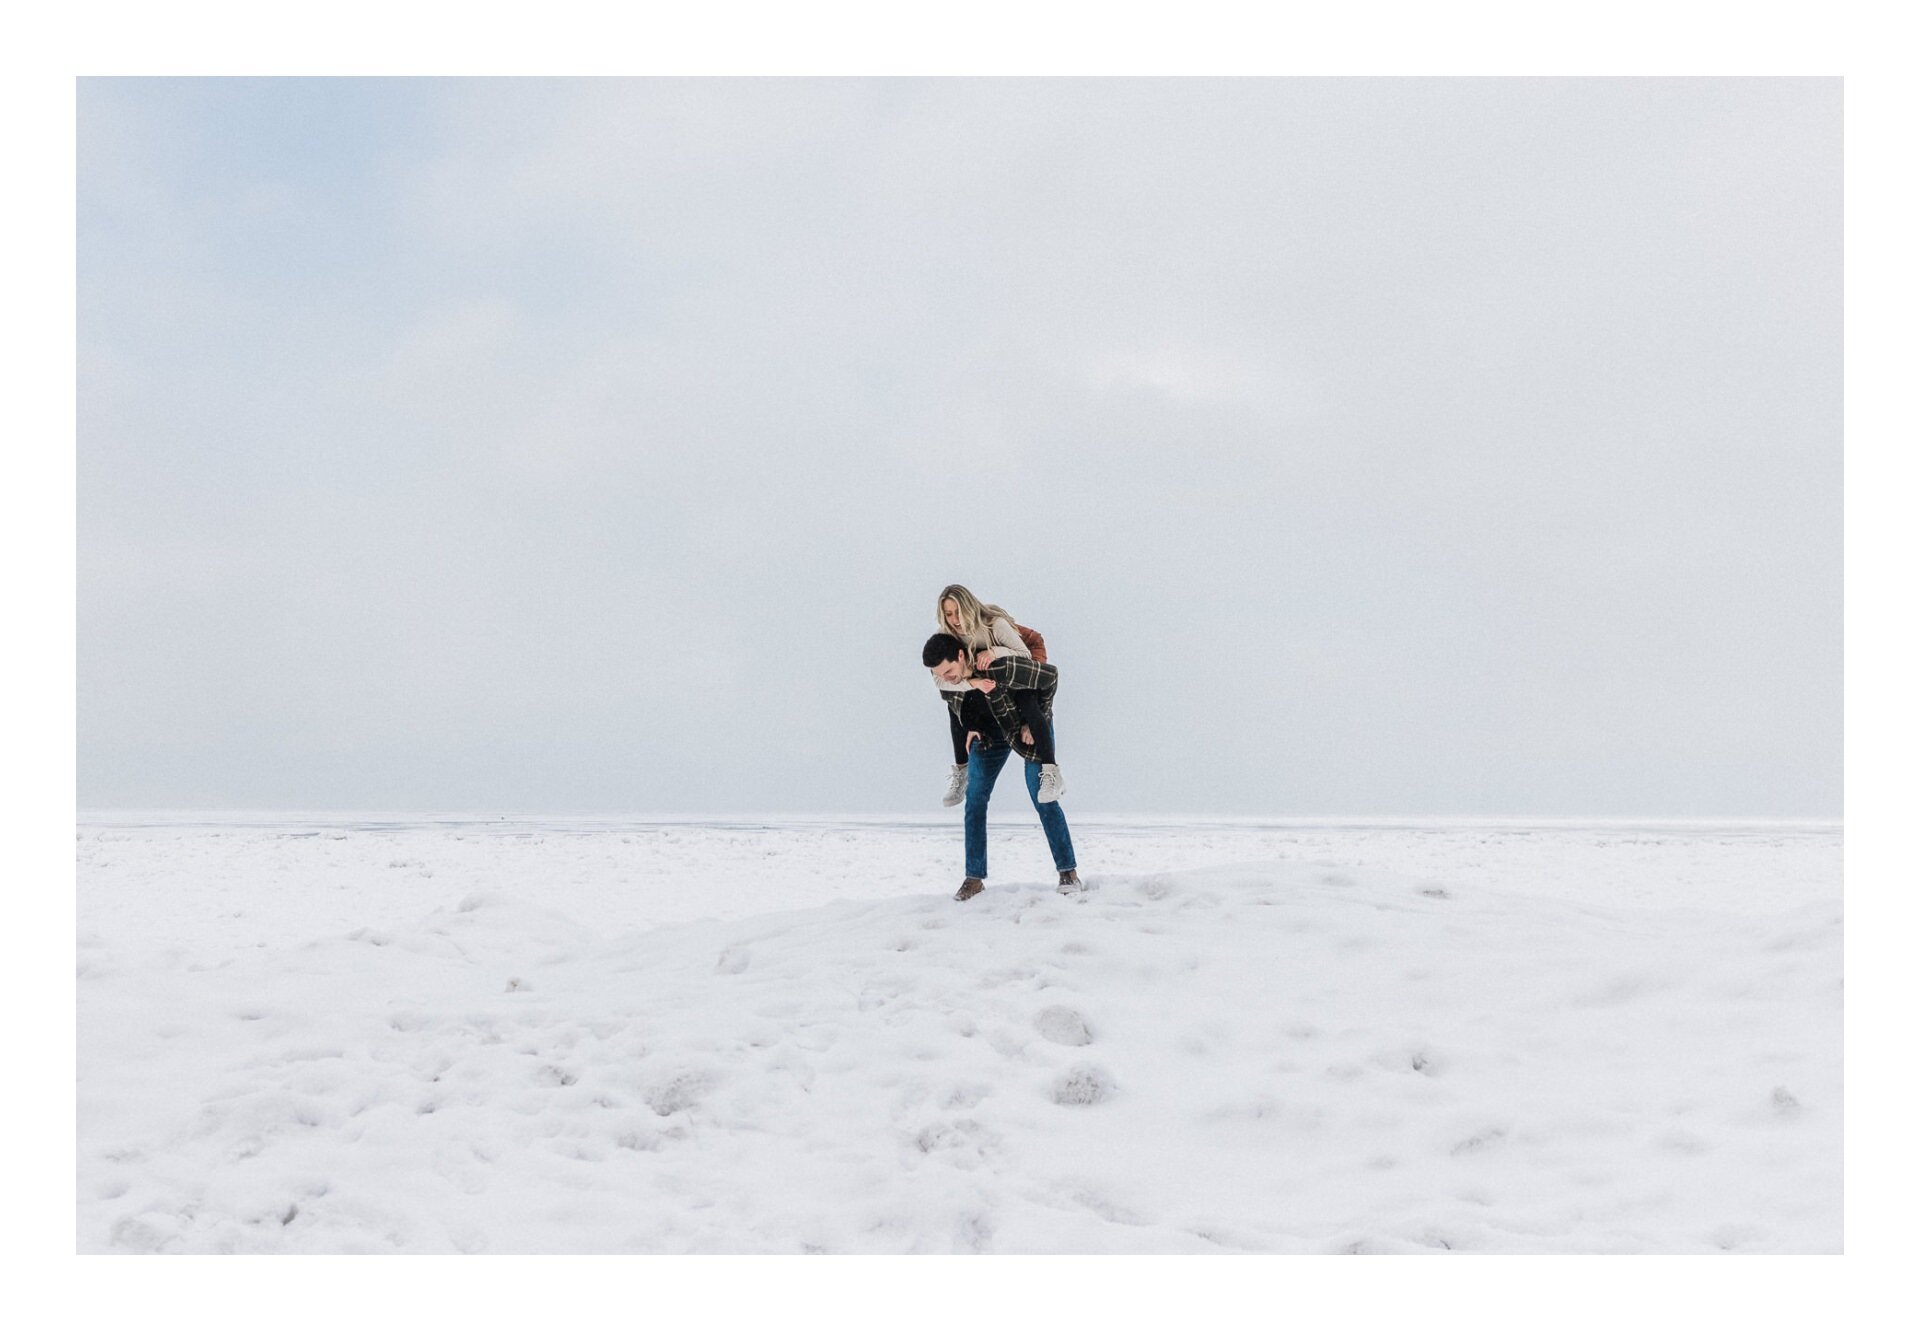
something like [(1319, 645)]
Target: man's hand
[(972, 735), (984, 685), (1026, 734)]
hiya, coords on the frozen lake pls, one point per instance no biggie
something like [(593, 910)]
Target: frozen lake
[(378, 1033)]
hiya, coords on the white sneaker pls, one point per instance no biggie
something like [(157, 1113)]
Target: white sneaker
[(1052, 784), (956, 786)]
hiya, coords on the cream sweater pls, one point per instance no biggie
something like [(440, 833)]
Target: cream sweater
[(1005, 641)]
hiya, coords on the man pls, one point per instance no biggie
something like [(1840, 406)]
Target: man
[(987, 727)]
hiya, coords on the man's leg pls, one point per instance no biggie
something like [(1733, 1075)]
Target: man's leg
[(1052, 820), (983, 769)]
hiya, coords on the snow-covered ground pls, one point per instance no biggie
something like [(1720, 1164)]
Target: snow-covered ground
[(571, 1035)]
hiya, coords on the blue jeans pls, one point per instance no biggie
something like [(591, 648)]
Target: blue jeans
[(983, 769)]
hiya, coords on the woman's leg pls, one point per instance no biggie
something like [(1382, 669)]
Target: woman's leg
[(983, 768), (1051, 819), (1034, 717), (959, 733)]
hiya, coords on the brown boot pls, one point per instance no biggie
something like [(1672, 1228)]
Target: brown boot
[(973, 887), (1070, 881)]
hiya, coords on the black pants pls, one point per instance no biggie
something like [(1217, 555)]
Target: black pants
[(1032, 715)]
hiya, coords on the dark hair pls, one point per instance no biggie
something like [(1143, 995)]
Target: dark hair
[(941, 648)]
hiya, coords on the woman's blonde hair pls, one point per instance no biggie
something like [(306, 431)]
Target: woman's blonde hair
[(976, 617)]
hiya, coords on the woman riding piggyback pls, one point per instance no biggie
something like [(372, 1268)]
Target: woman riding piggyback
[(988, 634)]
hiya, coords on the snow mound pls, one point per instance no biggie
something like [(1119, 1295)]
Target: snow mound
[(1272, 1057)]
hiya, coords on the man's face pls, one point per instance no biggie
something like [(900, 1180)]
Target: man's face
[(951, 672)]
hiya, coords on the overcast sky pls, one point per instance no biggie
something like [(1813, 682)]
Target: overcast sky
[(1361, 446)]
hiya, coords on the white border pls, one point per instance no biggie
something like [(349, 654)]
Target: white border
[(55, 45)]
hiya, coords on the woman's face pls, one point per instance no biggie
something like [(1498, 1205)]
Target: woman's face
[(951, 609)]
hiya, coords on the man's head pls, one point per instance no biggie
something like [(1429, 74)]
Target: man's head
[(946, 656)]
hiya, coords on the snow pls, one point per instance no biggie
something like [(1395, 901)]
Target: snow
[(354, 1034)]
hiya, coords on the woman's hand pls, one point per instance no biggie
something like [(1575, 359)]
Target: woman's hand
[(984, 685), (983, 660)]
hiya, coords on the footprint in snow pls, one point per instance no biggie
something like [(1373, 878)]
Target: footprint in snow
[(1480, 1141), (1063, 1025), (682, 1090), (974, 1232), (965, 1095), (1083, 1084), (963, 1142), (147, 1232)]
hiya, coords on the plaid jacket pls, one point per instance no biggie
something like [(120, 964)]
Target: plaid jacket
[(1009, 673)]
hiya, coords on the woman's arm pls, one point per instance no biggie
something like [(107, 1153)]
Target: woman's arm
[(1006, 635)]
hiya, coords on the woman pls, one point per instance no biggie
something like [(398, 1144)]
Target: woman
[(986, 627), (989, 632)]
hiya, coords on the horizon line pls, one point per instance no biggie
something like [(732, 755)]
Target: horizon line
[(110, 813)]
